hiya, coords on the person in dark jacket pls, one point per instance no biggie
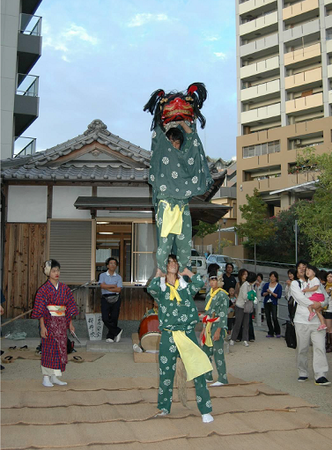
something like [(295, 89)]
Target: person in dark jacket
[(271, 292)]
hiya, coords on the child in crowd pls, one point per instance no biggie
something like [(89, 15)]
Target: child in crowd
[(231, 309), (315, 294), (215, 328)]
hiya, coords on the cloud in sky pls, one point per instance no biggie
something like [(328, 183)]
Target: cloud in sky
[(120, 52), (144, 18)]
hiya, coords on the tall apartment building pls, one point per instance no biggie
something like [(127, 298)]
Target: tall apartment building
[(284, 74), (20, 50)]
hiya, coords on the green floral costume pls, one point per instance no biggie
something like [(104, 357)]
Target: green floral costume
[(176, 176), (219, 306), (173, 317)]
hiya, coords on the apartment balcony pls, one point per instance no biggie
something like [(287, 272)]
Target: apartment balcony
[(327, 2), (261, 91), (260, 114), (261, 47), (257, 6), (26, 104), (298, 32), (310, 102), (308, 78), (30, 6), (301, 10), (329, 71), (329, 46), (266, 67), (29, 42), (296, 57), (293, 179), (330, 97), (264, 24), (24, 146)]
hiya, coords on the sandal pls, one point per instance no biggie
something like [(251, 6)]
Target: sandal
[(25, 347), (78, 359), (12, 348)]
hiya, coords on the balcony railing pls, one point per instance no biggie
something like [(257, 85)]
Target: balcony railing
[(24, 146), (27, 85), (30, 25)]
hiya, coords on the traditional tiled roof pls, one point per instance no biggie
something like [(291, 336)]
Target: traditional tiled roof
[(50, 165)]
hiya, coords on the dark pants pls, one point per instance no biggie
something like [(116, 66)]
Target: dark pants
[(271, 312), (241, 318), (110, 314)]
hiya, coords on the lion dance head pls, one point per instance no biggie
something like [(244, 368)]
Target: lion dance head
[(177, 106)]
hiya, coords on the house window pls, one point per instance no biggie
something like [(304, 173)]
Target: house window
[(261, 149), (144, 252)]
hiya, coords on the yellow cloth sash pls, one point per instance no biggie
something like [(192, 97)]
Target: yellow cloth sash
[(172, 219), (208, 338), (174, 291), (212, 294), (56, 310), (195, 361)]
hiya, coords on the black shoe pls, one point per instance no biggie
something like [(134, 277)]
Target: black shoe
[(302, 379), (322, 381), (1, 368)]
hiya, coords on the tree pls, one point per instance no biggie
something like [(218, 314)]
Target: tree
[(204, 229), (256, 226), (280, 247), (315, 217)]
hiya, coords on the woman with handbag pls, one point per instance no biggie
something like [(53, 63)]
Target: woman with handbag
[(243, 308)]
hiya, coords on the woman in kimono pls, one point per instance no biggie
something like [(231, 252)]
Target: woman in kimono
[(54, 307), (178, 317), (215, 328)]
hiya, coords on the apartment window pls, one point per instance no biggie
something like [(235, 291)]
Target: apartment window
[(261, 149)]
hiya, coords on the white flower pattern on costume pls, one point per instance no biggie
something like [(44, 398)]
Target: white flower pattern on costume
[(196, 143), (191, 161), (152, 177), (163, 359), (165, 160), (194, 180), (154, 134), (181, 237), (187, 194), (174, 174), (184, 318), (163, 188)]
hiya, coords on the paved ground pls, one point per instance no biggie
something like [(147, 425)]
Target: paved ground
[(266, 360)]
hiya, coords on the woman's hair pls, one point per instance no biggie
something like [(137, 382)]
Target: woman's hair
[(49, 265), (322, 275), (240, 275), (260, 275), (275, 274), (251, 278), (175, 134), (213, 269), (313, 268), (292, 271)]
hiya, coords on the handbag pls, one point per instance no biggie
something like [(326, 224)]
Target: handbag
[(248, 307), (290, 335), (111, 299)]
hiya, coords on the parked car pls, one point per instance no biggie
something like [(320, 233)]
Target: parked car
[(199, 265), (194, 252), (222, 260)]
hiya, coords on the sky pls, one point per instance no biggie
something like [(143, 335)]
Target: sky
[(102, 59)]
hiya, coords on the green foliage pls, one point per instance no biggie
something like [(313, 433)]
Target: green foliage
[(307, 161), (204, 229), (280, 247), (315, 217), (256, 226), (223, 243)]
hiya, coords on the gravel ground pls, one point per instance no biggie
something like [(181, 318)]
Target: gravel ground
[(265, 360)]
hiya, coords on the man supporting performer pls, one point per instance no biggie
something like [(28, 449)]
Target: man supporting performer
[(178, 169), (178, 316), (54, 307)]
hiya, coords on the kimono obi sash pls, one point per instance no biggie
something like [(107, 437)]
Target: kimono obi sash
[(57, 310)]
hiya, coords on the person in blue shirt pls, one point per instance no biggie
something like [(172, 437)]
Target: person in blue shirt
[(271, 292), (111, 285)]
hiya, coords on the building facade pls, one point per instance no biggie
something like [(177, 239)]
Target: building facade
[(284, 73), (20, 50), (80, 202)]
